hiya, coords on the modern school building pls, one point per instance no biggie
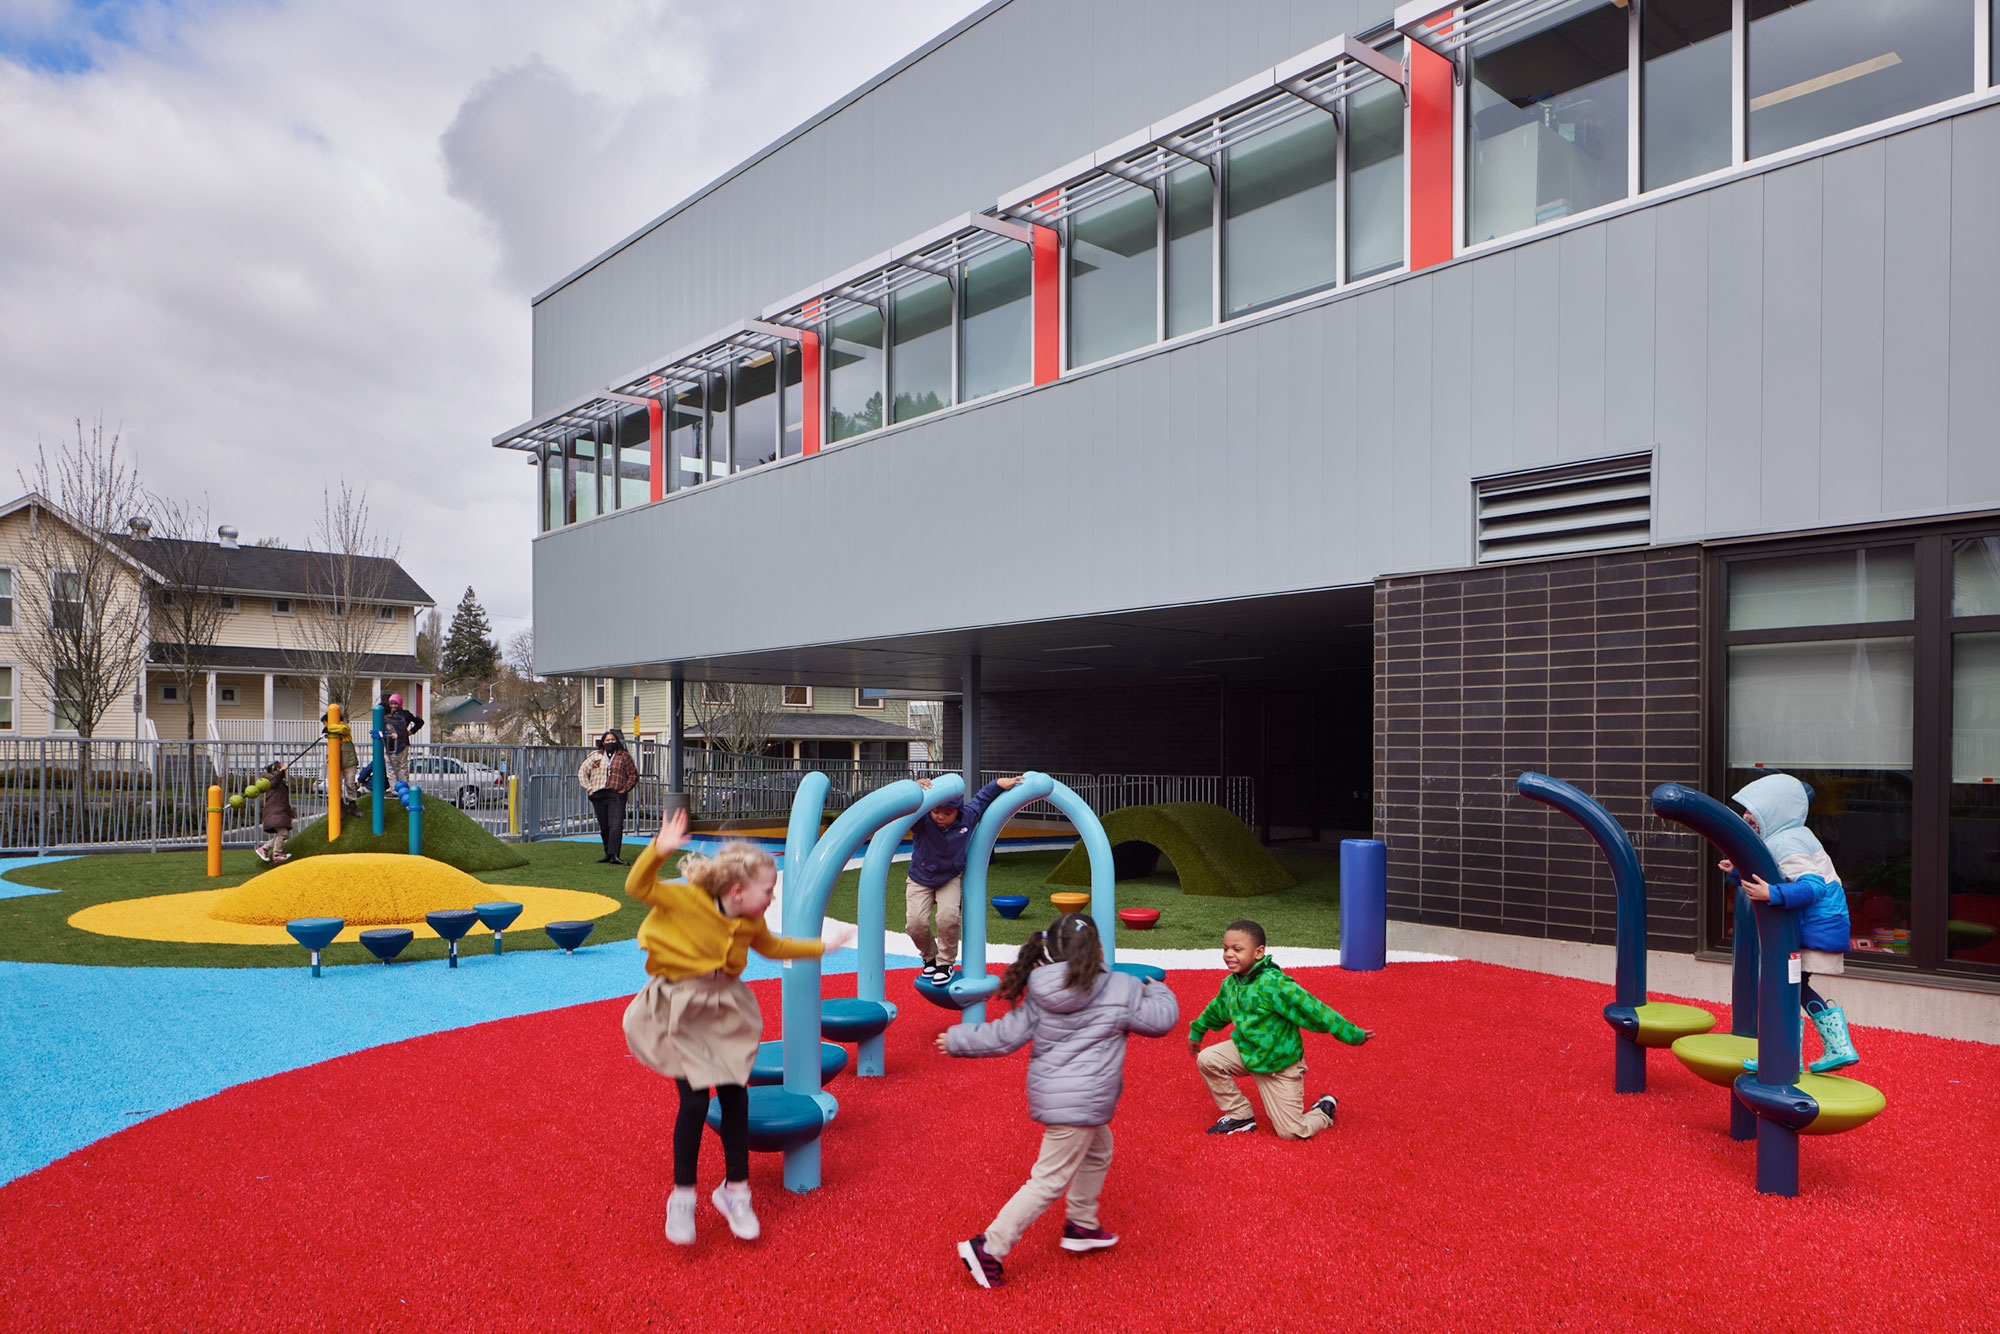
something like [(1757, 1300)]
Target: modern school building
[(1373, 403)]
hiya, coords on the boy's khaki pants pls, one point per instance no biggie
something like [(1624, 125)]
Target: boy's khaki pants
[(948, 899), (1076, 1157), (1283, 1093)]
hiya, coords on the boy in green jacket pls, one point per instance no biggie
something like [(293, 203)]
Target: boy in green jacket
[(1268, 1010)]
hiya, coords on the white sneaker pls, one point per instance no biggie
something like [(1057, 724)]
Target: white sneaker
[(680, 1216), (734, 1205)]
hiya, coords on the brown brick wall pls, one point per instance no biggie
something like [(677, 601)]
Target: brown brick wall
[(1586, 669)]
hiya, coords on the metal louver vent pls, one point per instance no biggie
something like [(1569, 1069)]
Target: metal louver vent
[(1556, 511)]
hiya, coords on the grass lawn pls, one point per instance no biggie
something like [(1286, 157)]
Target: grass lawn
[(36, 929), (1308, 914)]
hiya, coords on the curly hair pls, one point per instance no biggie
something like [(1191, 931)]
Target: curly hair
[(734, 863), (1070, 939)]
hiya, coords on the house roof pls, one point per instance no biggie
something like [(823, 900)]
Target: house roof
[(37, 500), (829, 727), (243, 657), (281, 571)]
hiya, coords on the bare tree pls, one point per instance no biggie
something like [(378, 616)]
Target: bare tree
[(187, 607), (81, 600), (737, 718), (430, 641), (535, 710), (350, 573)]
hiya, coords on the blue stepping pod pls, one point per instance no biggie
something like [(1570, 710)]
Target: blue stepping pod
[(770, 1064), (451, 923), (1009, 906), (569, 935), (850, 1020), (315, 933), (386, 942), (497, 917), (778, 1120)]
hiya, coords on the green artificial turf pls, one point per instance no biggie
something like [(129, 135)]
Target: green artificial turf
[(450, 836), (1306, 915), (36, 929), (1214, 852)]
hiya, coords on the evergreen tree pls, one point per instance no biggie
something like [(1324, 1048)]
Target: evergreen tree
[(470, 656)]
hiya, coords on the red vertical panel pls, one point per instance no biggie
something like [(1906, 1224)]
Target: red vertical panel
[(809, 382), (656, 439), (1431, 171), (1048, 301)]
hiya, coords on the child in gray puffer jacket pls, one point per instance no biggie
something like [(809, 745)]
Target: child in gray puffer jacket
[(1077, 1018)]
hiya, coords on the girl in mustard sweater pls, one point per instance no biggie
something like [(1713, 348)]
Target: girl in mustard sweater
[(696, 1022)]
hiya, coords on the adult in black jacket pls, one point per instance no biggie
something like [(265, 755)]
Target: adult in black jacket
[(398, 726)]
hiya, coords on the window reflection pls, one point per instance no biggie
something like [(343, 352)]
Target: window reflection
[(582, 453), (1972, 933), (687, 433), (854, 373), (719, 435), (920, 366), (1817, 67), (1374, 180), (1113, 277), (553, 514), (1548, 120), (756, 421), (1190, 250), (1278, 214), (635, 460), (1684, 112), (997, 325), (1835, 588), (793, 443)]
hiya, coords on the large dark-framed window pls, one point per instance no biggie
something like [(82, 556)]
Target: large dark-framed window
[(1869, 667)]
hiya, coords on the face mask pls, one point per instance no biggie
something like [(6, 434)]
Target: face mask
[(604, 746)]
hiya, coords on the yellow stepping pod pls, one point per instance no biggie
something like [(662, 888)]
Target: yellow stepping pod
[(1843, 1103), (1663, 1023)]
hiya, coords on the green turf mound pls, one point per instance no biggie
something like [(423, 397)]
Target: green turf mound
[(1214, 852), (450, 836)]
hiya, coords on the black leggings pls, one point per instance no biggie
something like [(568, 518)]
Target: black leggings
[(610, 819), (1808, 998), (735, 1100)]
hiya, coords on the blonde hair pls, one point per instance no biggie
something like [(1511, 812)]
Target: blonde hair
[(733, 864)]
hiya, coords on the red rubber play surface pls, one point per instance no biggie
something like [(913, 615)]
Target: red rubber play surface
[(1482, 1175)]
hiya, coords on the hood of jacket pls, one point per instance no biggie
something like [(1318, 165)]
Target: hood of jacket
[(1048, 985), (1779, 802)]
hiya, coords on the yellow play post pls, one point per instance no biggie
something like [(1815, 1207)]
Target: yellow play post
[(514, 805), (333, 793), (215, 831)]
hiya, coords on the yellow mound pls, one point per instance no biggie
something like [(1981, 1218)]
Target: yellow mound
[(366, 888), (187, 917)]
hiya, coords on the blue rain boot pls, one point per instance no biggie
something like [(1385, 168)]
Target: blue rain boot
[(1831, 1021)]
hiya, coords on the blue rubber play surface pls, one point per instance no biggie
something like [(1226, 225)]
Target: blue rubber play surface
[(11, 890), (88, 1051)]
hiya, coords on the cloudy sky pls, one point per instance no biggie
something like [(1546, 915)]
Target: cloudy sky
[(277, 244)]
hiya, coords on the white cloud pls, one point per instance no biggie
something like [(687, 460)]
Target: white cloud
[(278, 244)]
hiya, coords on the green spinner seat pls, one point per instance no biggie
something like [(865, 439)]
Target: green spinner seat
[(1716, 1057)]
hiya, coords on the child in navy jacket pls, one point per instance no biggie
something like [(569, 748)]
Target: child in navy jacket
[(937, 861), (1775, 806)]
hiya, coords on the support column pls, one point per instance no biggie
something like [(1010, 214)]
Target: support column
[(270, 706), (214, 727), (676, 798), (969, 723), (1046, 301)]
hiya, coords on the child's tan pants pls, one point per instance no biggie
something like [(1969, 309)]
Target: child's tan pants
[(948, 900), (1076, 1157), (1283, 1093)]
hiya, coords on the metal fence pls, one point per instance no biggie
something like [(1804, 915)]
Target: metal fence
[(68, 795)]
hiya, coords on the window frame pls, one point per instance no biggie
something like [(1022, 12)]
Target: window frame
[(231, 604), (1931, 630), (597, 692), (11, 723), (785, 701), (286, 607), (9, 622), (229, 695), (386, 613), (879, 703), (170, 692)]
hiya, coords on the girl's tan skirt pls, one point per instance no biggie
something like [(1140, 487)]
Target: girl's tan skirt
[(701, 1029), (1822, 962)]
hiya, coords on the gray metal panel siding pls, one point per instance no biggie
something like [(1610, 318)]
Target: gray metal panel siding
[(1034, 85), (1814, 345)]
